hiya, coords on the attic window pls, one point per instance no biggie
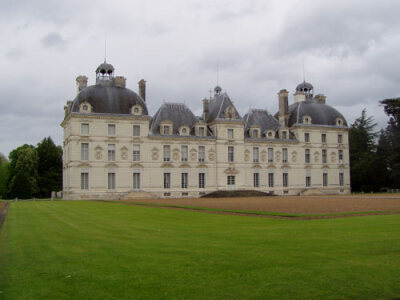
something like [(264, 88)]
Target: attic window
[(184, 130), (85, 107), (270, 134), (254, 133), (306, 120), (136, 110), (166, 130), (339, 122), (284, 135)]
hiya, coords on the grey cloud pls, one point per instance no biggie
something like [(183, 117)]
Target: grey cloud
[(53, 39)]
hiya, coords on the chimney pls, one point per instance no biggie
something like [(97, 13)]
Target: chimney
[(81, 83), (320, 98), (283, 108), (142, 89), (120, 81), (205, 109)]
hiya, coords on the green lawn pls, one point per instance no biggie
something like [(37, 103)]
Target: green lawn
[(94, 250)]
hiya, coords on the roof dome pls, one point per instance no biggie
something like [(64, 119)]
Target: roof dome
[(107, 98), (304, 87), (320, 114), (178, 113)]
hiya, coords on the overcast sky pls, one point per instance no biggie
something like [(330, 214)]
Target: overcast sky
[(350, 51)]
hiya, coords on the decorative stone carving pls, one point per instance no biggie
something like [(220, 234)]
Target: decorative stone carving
[(333, 157), (98, 152), (175, 154), (247, 155), (263, 155), (316, 156), (294, 156), (231, 170), (154, 153), (211, 154), (278, 155), (193, 154), (124, 153)]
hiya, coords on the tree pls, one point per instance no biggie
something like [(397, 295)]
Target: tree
[(49, 167), (362, 153), (23, 172), (4, 175), (392, 109)]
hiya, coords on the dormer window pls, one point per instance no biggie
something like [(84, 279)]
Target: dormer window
[(307, 120), (339, 122), (230, 113), (167, 130), (85, 107), (201, 131), (136, 110), (284, 134), (254, 133), (184, 130), (270, 134)]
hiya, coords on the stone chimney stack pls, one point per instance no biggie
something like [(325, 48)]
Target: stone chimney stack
[(81, 83), (320, 98), (205, 109), (283, 108), (142, 89), (120, 81)]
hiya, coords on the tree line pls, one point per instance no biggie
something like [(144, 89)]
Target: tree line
[(374, 160), (375, 155), (31, 171)]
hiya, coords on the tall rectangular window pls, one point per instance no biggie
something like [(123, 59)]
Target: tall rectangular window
[(167, 180), (111, 129), (84, 180), (230, 134), (308, 180), (111, 181), (340, 156), (166, 130), (284, 155), (256, 155), (285, 179), (231, 180), (202, 153), (324, 156), (325, 179), (111, 152), (307, 156), (167, 153), (136, 180), (271, 179), (341, 179), (201, 131), (256, 179), (184, 153), (85, 151), (136, 152), (202, 180), (307, 137), (136, 130), (270, 155), (323, 138), (340, 138), (231, 154), (184, 180), (85, 129)]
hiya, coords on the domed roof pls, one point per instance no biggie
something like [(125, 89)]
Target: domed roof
[(178, 113), (304, 87), (108, 99), (105, 68), (261, 118), (321, 114)]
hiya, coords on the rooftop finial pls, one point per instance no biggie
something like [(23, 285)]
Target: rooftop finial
[(105, 48)]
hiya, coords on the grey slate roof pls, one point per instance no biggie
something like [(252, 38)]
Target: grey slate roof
[(321, 114), (262, 118), (178, 113), (217, 106), (108, 98)]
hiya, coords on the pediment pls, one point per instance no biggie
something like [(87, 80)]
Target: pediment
[(136, 165), (167, 165)]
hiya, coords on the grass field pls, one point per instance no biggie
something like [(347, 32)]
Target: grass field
[(94, 250)]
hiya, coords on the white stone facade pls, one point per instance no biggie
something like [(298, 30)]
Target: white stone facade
[(118, 156)]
